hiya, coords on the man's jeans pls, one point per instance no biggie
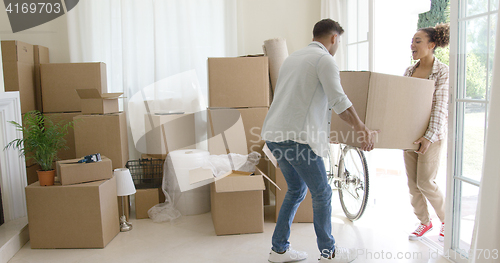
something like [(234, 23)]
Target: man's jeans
[(303, 169)]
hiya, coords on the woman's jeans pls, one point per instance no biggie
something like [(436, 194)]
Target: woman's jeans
[(303, 169)]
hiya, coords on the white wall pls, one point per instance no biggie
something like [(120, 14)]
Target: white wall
[(53, 34), (259, 20)]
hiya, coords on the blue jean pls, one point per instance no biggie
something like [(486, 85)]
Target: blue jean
[(303, 169)]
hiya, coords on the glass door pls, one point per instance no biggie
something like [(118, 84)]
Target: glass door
[(473, 24)]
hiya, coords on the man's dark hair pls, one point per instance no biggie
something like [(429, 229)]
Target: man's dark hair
[(325, 27)]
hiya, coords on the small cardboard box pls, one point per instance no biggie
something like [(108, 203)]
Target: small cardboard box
[(252, 119), (239, 82), (169, 132), (61, 80), (398, 106), (64, 118), (41, 56), (19, 72), (72, 172), (72, 216), (304, 212), (237, 204), (94, 102), (104, 134), (145, 199)]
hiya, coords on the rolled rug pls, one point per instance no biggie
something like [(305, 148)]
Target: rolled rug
[(276, 51)]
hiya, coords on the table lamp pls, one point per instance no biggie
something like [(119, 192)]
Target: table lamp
[(124, 187)]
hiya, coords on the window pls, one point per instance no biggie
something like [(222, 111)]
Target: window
[(358, 34)]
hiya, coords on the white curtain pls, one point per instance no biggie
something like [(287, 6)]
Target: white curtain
[(145, 41), (333, 9), (487, 224)]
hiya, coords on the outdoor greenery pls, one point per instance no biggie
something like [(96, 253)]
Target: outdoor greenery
[(42, 138), (439, 13)]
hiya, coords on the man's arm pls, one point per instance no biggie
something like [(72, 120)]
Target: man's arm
[(351, 117)]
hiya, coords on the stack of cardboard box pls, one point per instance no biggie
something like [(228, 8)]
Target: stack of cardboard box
[(239, 99), (79, 212), (21, 70)]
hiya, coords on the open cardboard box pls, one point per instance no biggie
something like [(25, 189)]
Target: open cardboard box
[(72, 172), (94, 102)]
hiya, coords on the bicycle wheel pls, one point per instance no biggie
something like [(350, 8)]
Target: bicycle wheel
[(353, 184)]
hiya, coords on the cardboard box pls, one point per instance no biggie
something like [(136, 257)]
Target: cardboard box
[(72, 216), (224, 120), (145, 199), (64, 118), (94, 102), (41, 56), (398, 106), (239, 82), (104, 134), (169, 132), (304, 212), (31, 174), (237, 204), (72, 172), (19, 72), (61, 80)]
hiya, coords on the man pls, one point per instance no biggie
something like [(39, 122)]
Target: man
[(296, 130)]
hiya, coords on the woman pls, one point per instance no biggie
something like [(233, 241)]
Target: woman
[(422, 165)]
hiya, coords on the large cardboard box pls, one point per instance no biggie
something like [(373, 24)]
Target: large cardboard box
[(72, 172), (169, 132), (145, 199), (252, 120), (104, 134), (61, 80), (41, 56), (72, 216), (64, 118), (31, 174), (94, 102), (19, 72), (237, 204), (304, 212), (398, 106), (239, 82)]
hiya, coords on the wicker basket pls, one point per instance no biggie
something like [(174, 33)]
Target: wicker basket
[(146, 173)]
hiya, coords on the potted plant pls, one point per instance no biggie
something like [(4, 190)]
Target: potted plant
[(42, 139)]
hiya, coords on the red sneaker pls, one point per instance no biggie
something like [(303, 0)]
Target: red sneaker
[(420, 231), (441, 233)]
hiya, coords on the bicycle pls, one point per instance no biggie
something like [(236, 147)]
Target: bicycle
[(348, 172)]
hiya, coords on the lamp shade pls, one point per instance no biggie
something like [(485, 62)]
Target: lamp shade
[(124, 183)]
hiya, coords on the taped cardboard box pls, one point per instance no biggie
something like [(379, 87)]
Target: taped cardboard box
[(94, 102), (72, 172), (398, 106), (145, 199), (251, 119), (61, 80), (64, 118), (239, 82), (41, 56), (169, 132), (19, 72), (237, 204), (72, 216), (104, 134)]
